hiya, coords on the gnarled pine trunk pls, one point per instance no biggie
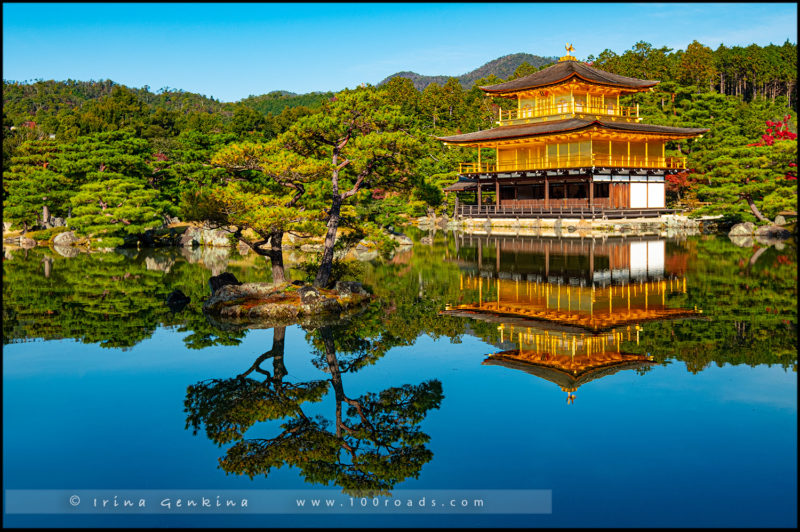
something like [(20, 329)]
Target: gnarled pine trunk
[(754, 209), (326, 263), (276, 257)]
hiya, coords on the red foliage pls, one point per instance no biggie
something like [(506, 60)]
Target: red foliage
[(678, 182), (776, 131), (679, 179)]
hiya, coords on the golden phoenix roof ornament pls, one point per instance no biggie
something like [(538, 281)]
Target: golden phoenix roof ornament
[(569, 56)]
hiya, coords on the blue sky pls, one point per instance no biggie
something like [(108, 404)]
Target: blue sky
[(230, 51)]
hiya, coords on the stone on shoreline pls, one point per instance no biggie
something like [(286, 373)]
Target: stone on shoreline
[(742, 229), (773, 232), (200, 236), (216, 282), (67, 238)]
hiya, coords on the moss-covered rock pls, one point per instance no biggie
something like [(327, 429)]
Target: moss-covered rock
[(282, 304)]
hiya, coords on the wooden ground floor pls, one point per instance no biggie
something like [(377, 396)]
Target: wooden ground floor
[(582, 195), (569, 211)]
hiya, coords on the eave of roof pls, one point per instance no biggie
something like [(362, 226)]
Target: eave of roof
[(565, 126), (563, 378), (462, 185)]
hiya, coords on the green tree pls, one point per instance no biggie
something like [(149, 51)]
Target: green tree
[(114, 206), (261, 195), (364, 144), (759, 176), (249, 123), (697, 66), (32, 190), (120, 109), (524, 69), (401, 92)]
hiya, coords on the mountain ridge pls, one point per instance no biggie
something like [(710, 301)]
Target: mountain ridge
[(502, 67)]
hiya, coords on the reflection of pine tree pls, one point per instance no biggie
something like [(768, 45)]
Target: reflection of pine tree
[(228, 407), (372, 443), (122, 301)]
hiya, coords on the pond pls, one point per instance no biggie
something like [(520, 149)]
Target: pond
[(494, 381)]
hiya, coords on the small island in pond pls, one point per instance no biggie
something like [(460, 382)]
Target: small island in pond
[(268, 304)]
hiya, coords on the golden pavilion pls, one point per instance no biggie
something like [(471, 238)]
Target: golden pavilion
[(569, 149)]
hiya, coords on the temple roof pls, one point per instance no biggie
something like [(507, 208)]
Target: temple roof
[(566, 126), (467, 184), (564, 379), (567, 320), (564, 70)]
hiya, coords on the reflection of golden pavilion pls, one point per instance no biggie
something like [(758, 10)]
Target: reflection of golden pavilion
[(584, 285), (567, 359), (585, 307), (568, 260), (563, 310)]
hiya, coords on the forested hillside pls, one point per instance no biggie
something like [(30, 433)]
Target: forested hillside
[(117, 160)]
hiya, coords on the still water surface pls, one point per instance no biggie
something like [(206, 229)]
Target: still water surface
[(645, 382)]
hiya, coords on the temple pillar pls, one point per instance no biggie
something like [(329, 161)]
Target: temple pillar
[(496, 192), (546, 192)]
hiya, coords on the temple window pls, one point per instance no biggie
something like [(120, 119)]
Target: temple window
[(601, 190)]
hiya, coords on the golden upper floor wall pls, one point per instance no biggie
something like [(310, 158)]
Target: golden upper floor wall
[(570, 100), (582, 151)]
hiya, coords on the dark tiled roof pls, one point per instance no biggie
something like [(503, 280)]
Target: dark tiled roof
[(564, 126), (462, 185), (560, 377), (562, 71)]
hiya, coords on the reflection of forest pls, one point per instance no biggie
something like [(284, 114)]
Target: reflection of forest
[(587, 286), (114, 299), (371, 442), (118, 300)]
